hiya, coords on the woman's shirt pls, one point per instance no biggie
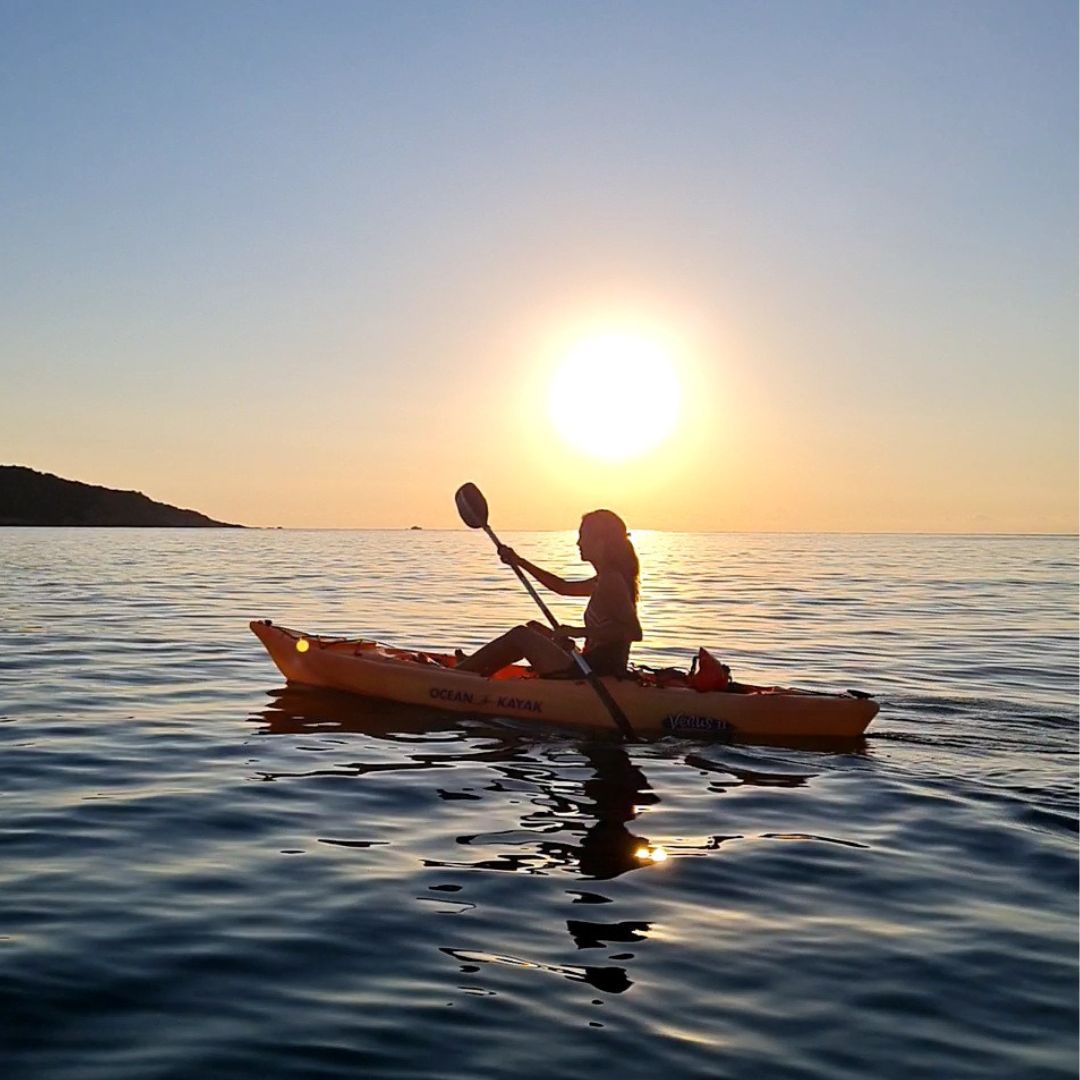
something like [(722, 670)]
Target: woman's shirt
[(611, 621)]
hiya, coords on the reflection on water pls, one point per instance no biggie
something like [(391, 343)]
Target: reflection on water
[(592, 822), (617, 791), (612, 796), (580, 828), (611, 980)]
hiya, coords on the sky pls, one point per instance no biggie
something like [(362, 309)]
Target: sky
[(317, 264)]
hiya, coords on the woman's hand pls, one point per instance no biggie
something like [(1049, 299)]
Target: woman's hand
[(563, 640), (509, 555)]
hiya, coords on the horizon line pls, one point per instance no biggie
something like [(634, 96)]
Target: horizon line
[(465, 529)]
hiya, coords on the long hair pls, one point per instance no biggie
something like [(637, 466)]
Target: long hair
[(618, 548)]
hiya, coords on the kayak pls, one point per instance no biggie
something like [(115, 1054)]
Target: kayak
[(372, 669)]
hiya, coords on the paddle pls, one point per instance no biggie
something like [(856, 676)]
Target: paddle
[(473, 508)]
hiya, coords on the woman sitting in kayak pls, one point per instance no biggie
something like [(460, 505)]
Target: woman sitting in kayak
[(611, 621)]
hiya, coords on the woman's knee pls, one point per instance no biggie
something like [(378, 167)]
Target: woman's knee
[(520, 634)]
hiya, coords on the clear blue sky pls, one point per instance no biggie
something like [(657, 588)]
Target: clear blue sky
[(309, 263)]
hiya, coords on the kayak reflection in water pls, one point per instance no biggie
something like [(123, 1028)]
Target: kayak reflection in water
[(611, 621)]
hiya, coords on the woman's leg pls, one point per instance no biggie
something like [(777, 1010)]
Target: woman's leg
[(522, 642)]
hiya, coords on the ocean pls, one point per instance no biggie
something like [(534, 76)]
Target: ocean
[(203, 873)]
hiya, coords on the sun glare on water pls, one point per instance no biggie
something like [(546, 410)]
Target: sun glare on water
[(615, 396)]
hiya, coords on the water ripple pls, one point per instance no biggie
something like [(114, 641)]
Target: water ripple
[(204, 873)]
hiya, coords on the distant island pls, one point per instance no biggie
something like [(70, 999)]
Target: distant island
[(28, 497)]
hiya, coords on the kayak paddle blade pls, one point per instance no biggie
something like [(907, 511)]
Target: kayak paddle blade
[(472, 506)]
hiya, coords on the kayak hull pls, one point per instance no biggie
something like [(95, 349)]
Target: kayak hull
[(370, 669)]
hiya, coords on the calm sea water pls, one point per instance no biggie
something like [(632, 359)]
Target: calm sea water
[(202, 874)]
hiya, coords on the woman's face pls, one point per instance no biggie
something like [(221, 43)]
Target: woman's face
[(590, 544)]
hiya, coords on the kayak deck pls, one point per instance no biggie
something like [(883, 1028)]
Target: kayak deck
[(372, 669)]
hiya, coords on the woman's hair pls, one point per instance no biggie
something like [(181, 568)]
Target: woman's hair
[(618, 549)]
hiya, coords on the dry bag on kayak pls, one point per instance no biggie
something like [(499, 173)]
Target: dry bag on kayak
[(707, 673)]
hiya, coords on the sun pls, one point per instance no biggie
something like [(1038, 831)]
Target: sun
[(615, 396)]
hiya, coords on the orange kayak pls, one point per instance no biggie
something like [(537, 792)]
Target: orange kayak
[(371, 669)]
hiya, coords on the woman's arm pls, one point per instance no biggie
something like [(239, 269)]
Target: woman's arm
[(546, 578)]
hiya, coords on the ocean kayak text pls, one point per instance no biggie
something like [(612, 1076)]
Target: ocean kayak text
[(468, 698)]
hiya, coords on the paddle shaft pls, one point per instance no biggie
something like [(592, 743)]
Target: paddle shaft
[(602, 692), (526, 582)]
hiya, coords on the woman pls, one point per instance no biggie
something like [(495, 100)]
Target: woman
[(611, 621)]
